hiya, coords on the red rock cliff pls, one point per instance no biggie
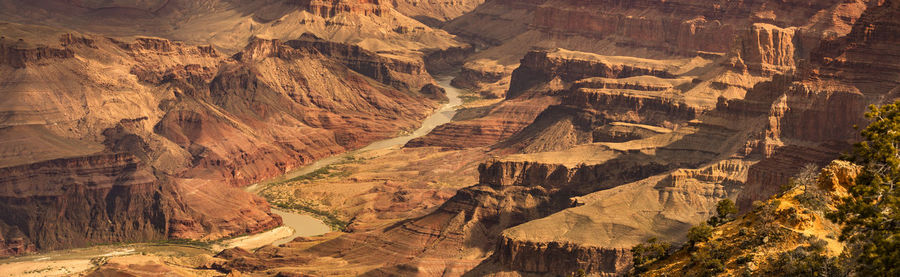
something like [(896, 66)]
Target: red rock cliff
[(75, 202)]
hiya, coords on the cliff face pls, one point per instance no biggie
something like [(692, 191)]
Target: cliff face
[(766, 48), (103, 198), (539, 67), (471, 74), (330, 8), (580, 178), (396, 72), (772, 36), (602, 95), (494, 21), (682, 31), (675, 26), (858, 58), (462, 232), (589, 90), (75, 202), (317, 124), (17, 55), (559, 259)]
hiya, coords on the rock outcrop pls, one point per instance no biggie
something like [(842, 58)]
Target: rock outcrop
[(459, 234), (767, 49), (538, 67), (19, 54), (570, 82), (494, 22), (447, 60), (476, 74)]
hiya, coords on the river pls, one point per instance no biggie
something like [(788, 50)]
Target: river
[(69, 261), (305, 225)]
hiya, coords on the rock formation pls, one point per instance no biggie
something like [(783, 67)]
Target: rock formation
[(154, 133)]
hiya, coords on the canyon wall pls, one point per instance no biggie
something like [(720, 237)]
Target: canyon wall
[(115, 110), (400, 73), (560, 259), (830, 98), (538, 67), (671, 26), (76, 202), (331, 8)]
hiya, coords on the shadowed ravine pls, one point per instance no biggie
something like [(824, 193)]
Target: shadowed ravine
[(305, 225)]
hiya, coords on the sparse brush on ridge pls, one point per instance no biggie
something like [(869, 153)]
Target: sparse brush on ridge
[(651, 251), (795, 232), (725, 212)]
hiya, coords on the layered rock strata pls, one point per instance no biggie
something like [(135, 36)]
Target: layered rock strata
[(75, 202), (200, 120), (557, 258)]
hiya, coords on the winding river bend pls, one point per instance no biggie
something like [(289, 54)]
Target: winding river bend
[(305, 225)]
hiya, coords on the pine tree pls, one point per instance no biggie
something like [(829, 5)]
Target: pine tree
[(871, 214)]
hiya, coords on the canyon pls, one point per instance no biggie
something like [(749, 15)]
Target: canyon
[(435, 138)]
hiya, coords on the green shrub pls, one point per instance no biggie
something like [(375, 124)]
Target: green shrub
[(725, 212), (708, 262), (699, 233), (646, 253)]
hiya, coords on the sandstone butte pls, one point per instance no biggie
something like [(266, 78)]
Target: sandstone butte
[(588, 126)]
